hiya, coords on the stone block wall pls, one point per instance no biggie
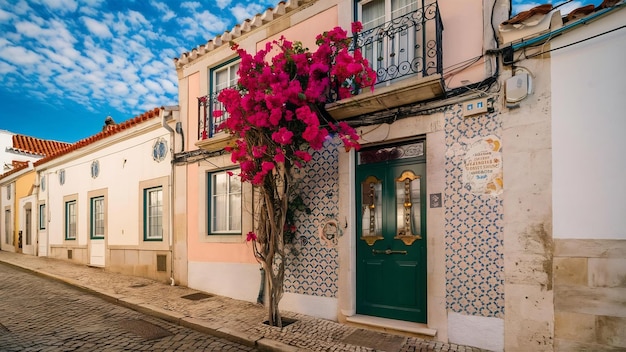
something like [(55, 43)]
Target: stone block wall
[(590, 295)]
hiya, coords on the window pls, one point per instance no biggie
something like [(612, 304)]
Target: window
[(43, 183), (220, 78), (42, 216), (95, 169), (225, 202), (62, 177), (97, 218), (28, 213), (7, 227), (153, 214), (391, 40), (70, 220)]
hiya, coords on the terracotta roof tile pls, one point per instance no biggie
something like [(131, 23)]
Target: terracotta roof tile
[(37, 146), (111, 130), (530, 15), (17, 166)]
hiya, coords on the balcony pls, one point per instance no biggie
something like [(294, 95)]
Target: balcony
[(406, 54), (407, 57), (209, 136)]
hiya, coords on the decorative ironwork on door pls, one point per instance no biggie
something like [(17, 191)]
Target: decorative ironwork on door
[(408, 207), (371, 208)]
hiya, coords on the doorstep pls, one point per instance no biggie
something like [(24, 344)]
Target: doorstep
[(391, 324)]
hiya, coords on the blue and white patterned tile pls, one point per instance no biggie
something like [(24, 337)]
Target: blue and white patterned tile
[(314, 269), (473, 225)]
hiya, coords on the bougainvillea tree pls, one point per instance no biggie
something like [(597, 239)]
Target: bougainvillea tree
[(276, 114)]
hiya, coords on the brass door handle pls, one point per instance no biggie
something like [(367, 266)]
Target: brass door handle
[(387, 252)]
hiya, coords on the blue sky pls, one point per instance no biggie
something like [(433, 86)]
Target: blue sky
[(67, 64)]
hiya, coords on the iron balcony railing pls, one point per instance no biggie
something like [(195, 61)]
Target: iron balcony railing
[(408, 45), (208, 121)]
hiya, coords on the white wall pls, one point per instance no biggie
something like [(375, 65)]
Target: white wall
[(588, 126), (6, 141), (123, 164)]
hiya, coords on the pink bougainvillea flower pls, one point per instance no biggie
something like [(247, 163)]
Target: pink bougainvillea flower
[(282, 136), (251, 236), (273, 111), (280, 156), (267, 166), (258, 151), (305, 156)]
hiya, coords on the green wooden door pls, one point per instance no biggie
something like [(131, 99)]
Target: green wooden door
[(391, 239)]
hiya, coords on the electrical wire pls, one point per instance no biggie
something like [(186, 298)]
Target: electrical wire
[(573, 43)]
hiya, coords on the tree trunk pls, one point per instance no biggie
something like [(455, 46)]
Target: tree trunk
[(269, 248)]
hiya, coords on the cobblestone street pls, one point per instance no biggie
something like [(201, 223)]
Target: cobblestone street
[(37, 314), (206, 315)]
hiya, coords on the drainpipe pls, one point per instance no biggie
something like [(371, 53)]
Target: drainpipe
[(164, 117), (48, 215)]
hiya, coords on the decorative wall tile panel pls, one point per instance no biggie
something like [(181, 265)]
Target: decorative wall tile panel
[(473, 225), (312, 266)]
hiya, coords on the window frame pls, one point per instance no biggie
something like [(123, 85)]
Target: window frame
[(93, 218), (42, 216), (213, 91), (211, 206), (8, 237), (147, 223), (68, 221)]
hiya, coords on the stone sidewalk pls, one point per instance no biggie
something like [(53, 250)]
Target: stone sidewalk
[(232, 319)]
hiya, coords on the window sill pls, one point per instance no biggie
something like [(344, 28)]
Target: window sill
[(232, 238)]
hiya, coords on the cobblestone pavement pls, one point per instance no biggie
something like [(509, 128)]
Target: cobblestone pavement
[(37, 314), (235, 320)]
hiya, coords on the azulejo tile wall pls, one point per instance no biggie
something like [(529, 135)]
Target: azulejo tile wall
[(312, 266), (473, 225)]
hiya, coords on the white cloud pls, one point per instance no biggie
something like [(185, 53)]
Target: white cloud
[(192, 6), (62, 60), (61, 5), (138, 89), (153, 86), (6, 68), (243, 13), (119, 88), (19, 55), (222, 3), (98, 28), (204, 24), (6, 16), (29, 29), (168, 14), (21, 8), (169, 86), (155, 67)]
